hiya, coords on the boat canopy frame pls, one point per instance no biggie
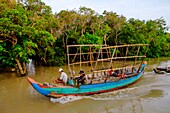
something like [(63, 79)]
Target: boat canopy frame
[(104, 53)]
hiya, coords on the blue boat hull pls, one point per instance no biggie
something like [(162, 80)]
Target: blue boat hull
[(87, 89)]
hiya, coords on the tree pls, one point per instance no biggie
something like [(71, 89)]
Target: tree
[(116, 23), (22, 37)]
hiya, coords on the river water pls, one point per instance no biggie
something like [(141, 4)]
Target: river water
[(150, 94)]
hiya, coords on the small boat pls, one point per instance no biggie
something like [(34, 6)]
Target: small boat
[(99, 81), (83, 90), (162, 70)]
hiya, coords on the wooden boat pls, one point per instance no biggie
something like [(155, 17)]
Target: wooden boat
[(162, 70), (105, 84), (87, 89)]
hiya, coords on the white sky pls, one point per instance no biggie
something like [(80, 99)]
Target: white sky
[(138, 9)]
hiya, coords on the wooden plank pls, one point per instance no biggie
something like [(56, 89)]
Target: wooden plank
[(84, 45), (106, 59), (127, 45), (83, 62), (83, 53)]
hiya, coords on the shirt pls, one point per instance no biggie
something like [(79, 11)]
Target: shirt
[(111, 72), (64, 77)]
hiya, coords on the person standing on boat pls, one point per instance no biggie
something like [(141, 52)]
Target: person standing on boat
[(63, 77)]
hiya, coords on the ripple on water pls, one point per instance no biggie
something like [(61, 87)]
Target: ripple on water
[(65, 99)]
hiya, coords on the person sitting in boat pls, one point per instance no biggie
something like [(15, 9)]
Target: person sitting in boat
[(81, 79), (112, 72), (121, 74), (63, 77)]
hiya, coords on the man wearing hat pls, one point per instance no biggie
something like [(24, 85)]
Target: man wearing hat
[(81, 78), (63, 77)]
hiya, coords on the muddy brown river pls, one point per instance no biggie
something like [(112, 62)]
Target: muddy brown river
[(150, 94)]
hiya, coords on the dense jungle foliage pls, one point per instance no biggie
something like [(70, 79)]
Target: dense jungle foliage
[(29, 30)]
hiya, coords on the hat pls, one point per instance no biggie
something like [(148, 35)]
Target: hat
[(81, 72), (60, 70)]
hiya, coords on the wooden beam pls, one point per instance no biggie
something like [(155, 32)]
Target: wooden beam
[(84, 45), (106, 59), (127, 45)]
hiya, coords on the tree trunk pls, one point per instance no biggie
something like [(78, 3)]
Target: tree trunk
[(21, 67), (105, 39)]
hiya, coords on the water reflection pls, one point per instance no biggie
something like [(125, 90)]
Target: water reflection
[(31, 67)]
